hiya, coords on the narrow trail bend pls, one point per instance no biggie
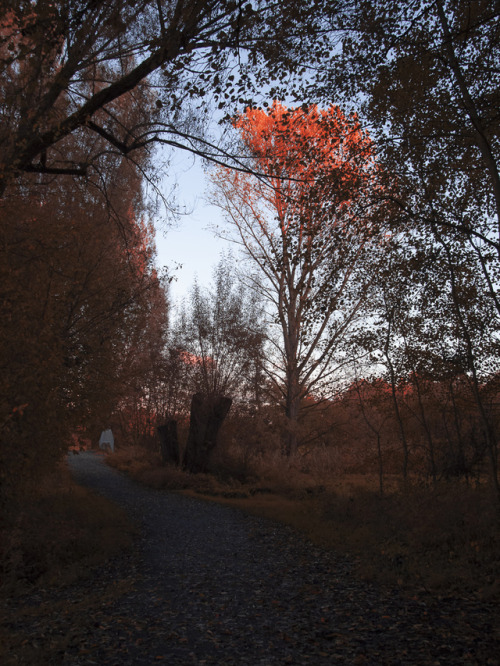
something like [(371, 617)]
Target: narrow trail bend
[(207, 584)]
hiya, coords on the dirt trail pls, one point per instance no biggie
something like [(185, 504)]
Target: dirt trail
[(207, 584)]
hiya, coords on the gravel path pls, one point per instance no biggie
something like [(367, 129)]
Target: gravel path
[(207, 584)]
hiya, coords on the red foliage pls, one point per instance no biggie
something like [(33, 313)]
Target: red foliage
[(310, 155)]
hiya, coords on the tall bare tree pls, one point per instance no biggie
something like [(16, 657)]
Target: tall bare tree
[(309, 230)]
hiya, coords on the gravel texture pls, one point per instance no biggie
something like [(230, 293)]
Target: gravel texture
[(207, 584)]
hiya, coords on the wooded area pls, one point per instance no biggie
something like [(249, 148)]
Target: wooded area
[(357, 164)]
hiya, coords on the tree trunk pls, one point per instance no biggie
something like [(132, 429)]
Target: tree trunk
[(427, 430), (380, 466), (397, 412), (207, 416), (169, 442), (292, 409), (376, 432)]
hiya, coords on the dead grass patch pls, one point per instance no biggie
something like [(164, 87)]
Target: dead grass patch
[(443, 539), (145, 467), (58, 534)]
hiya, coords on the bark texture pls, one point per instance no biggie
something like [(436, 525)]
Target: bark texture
[(207, 416), (169, 442)]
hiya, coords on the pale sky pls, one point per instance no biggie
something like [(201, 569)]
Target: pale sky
[(189, 242)]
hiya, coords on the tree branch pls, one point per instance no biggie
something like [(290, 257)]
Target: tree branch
[(80, 170)]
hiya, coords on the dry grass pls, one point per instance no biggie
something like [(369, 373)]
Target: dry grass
[(57, 537), (59, 534), (145, 467), (443, 539)]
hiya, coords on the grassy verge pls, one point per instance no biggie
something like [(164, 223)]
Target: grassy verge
[(443, 539), (58, 535)]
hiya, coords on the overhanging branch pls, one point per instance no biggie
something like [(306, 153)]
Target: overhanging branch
[(110, 138), (80, 170)]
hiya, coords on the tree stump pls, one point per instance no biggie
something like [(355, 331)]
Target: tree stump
[(207, 416), (169, 442)]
